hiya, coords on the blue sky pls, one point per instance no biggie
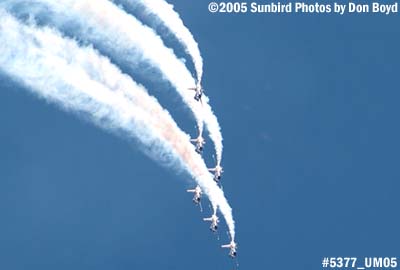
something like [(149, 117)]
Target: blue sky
[(309, 113)]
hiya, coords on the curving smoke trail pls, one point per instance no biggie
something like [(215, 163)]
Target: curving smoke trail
[(165, 14), (80, 80), (127, 40)]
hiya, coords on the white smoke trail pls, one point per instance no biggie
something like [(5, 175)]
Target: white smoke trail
[(165, 14), (214, 128), (79, 79), (125, 38), (170, 18)]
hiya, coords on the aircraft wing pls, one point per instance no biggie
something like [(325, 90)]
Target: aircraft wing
[(226, 246), (192, 89), (191, 190), (211, 169), (207, 219)]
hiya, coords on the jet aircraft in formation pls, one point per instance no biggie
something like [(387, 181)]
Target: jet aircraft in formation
[(214, 222), (197, 194), (200, 142), (199, 92), (233, 247), (217, 170)]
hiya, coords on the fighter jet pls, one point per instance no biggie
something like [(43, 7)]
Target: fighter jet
[(199, 143), (214, 222), (197, 194), (233, 246), (199, 92), (217, 172)]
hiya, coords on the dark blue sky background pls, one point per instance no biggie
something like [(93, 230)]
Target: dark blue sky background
[(308, 106)]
